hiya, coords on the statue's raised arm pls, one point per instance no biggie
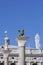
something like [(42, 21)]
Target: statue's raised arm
[(21, 32)]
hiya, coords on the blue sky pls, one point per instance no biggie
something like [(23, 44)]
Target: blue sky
[(21, 14)]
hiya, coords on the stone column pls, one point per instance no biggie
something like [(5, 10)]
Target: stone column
[(6, 55), (5, 60), (21, 45), (39, 63), (28, 63), (6, 50)]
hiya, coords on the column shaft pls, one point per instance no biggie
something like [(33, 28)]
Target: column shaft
[(22, 55), (6, 61)]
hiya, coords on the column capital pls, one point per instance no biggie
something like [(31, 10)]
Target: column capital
[(21, 40)]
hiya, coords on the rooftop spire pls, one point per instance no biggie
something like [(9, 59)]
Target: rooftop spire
[(37, 41)]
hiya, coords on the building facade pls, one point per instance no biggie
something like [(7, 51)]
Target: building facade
[(21, 55)]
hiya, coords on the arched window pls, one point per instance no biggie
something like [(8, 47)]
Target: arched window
[(1, 57), (12, 63), (1, 63), (34, 63), (12, 57)]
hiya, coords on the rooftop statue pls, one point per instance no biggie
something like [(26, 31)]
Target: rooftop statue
[(21, 32), (6, 33)]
